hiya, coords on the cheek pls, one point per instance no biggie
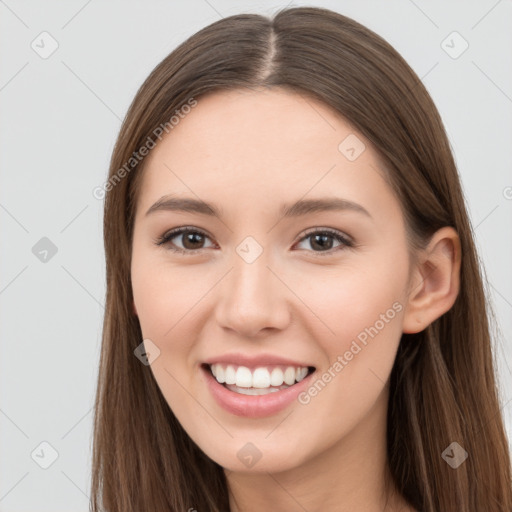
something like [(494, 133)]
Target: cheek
[(352, 385), (169, 300), (164, 298), (353, 304), (164, 295), (359, 329)]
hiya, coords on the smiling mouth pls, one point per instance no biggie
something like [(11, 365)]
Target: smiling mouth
[(257, 381)]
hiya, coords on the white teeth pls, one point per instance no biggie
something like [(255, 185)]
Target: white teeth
[(255, 391), (289, 376), (230, 375), (243, 377), (301, 374), (276, 377), (260, 378), (220, 374)]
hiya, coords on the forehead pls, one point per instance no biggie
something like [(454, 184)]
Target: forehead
[(244, 121), (271, 144)]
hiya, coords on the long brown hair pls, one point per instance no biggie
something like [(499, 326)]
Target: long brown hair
[(443, 385)]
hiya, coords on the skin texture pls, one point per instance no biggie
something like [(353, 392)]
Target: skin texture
[(249, 152)]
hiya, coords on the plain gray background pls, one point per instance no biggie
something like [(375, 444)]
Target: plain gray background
[(60, 117)]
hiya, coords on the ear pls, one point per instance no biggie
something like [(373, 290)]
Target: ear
[(435, 281)]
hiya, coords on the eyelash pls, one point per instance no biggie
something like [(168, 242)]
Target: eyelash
[(167, 237)]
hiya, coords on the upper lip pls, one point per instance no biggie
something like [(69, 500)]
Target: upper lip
[(255, 361)]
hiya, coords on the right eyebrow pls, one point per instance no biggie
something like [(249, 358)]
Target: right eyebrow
[(185, 204)]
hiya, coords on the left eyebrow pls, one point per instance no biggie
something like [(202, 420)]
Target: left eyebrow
[(297, 209), (307, 206)]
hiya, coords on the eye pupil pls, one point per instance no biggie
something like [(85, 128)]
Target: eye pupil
[(323, 238), (192, 237)]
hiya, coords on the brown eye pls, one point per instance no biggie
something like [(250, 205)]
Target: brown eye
[(192, 240), (321, 241)]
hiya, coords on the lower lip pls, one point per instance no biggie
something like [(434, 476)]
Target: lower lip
[(254, 406)]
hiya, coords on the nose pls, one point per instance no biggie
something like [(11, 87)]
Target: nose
[(253, 298)]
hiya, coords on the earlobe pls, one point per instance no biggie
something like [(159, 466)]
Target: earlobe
[(435, 282)]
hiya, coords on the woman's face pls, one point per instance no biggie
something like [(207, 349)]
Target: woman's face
[(274, 284)]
